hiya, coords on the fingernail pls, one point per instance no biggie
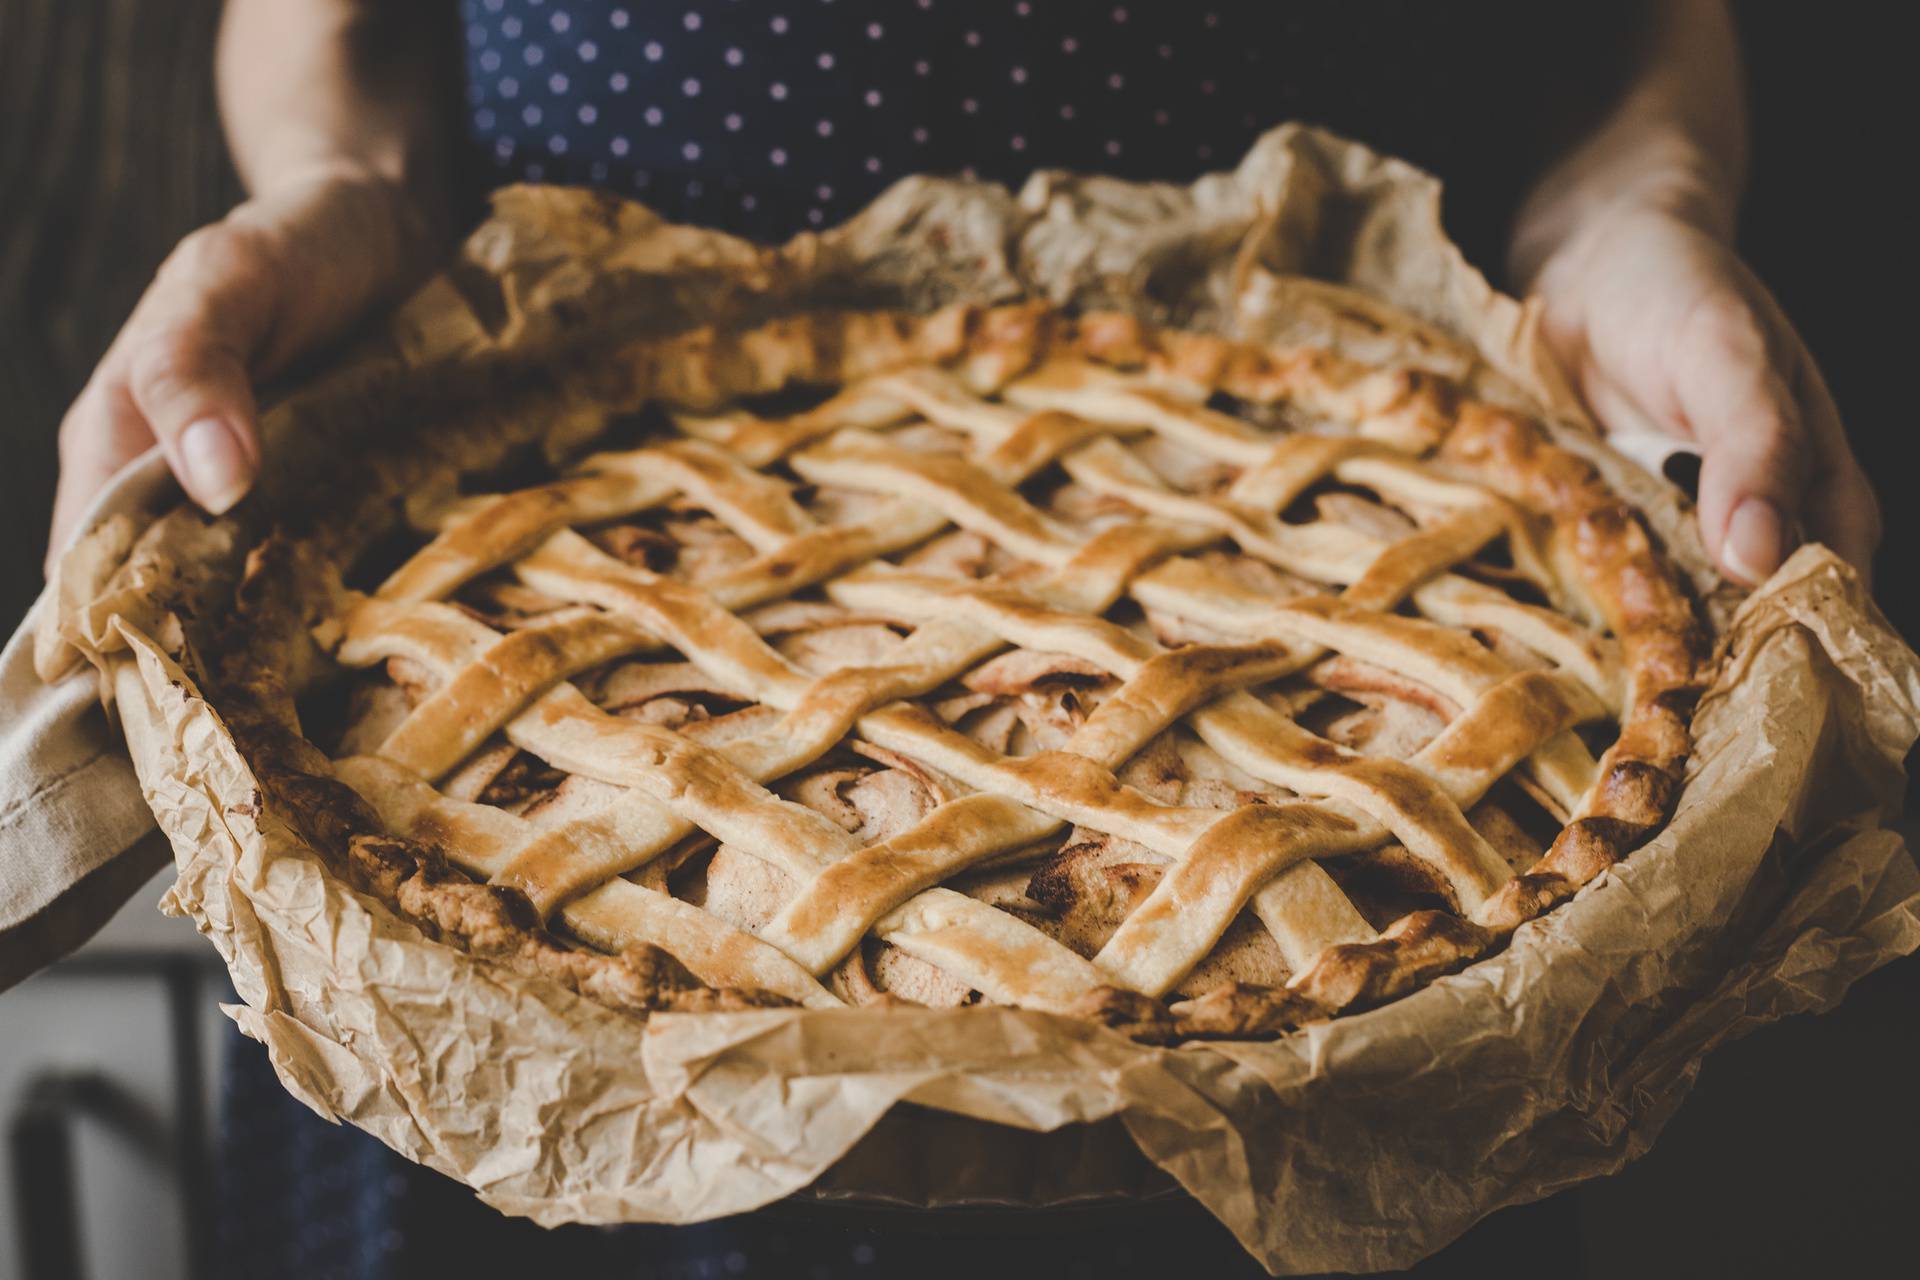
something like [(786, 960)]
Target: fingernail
[(216, 465), (1756, 539)]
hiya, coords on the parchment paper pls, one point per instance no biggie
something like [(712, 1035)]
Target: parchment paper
[(1363, 1143)]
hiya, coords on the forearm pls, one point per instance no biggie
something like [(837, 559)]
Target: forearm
[(1676, 142), (312, 88)]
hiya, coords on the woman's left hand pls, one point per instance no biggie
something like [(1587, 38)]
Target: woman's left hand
[(1660, 323)]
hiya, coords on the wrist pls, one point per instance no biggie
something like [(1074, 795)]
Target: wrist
[(1666, 177), (397, 221)]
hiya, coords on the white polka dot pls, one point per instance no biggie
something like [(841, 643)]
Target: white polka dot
[(531, 114), (503, 148), (826, 61), (926, 4), (919, 135), (733, 122), (779, 26), (588, 51), (921, 68), (619, 18), (493, 6), (619, 146), (558, 82), (691, 151), (873, 98), (969, 173), (824, 128), (1024, 9), (489, 61), (777, 91), (536, 171), (875, 31), (559, 22), (1113, 146), (654, 116), (735, 57), (510, 27), (1019, 75), (483, 118), (1069, 45), (1116, 81), (653, 52), (690, 87), (588, 113), (970, 105), (1119, 15), (749, 203), (873, 164), (973, 38), (1212, 19), (618, 82), (557, 145), (1017, 142), (778, 155), (1066, 111), (691, 22), (534, 55), (509, 87), (824, 191), (1166, 51), (816, 217)]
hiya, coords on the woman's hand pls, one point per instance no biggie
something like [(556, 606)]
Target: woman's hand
[(235, 303), (1660, 323), (1626, 241)]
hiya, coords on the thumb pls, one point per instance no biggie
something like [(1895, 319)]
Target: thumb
[(192, 389), (187, 353), (1756, 452)]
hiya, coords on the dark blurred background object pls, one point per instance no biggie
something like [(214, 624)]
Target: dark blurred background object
[(1789, 1158)]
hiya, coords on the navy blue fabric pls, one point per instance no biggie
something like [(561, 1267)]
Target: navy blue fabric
[(765, 118)]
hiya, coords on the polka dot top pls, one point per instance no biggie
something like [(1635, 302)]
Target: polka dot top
[(765, 117)]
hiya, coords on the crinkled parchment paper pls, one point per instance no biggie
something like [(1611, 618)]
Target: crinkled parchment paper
[(1363, 1143)]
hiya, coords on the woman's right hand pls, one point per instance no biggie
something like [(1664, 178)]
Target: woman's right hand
[(236, 302)]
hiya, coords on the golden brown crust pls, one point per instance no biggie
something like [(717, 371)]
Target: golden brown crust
[(1610, 566), (1240, 1011)]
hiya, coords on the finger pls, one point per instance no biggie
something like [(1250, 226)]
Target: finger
[(191, 388), (187, 352), (1757, 456), (101, 433), (1842, 510)]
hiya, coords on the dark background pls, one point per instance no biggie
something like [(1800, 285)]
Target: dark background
[(1795, 1154)]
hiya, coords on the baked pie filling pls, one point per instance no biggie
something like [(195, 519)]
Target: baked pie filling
[(1011, 656)]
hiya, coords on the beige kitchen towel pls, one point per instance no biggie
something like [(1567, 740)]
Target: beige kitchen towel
[(69, 801)]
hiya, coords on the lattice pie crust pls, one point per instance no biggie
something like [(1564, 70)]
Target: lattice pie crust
[(1198, 686)]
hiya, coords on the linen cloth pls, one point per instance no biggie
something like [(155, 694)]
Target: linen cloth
[(69, 801)]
